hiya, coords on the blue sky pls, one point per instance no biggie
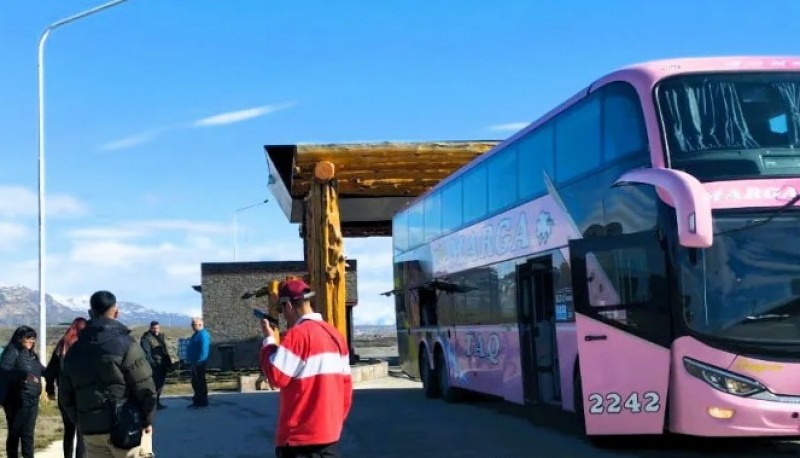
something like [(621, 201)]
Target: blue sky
[(157, 112)]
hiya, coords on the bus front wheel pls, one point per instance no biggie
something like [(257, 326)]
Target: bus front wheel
[(577, 392), (430, 384)]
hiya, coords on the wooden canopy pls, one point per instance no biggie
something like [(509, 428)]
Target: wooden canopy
[(374, 180)]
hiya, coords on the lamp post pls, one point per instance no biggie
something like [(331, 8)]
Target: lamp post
[(42, 40), (235, 214)]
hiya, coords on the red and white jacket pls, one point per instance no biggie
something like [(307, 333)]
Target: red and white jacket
[(312, 371)]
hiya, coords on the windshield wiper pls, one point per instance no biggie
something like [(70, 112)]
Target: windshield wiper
[(753, 224), (765, 317)]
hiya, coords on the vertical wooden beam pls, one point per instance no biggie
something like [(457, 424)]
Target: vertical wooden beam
[(324, 247)]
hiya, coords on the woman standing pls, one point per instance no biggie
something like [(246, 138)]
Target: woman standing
[(20, 388), (51, 376)]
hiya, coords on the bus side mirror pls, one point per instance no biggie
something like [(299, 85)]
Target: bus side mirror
[(684, 193)]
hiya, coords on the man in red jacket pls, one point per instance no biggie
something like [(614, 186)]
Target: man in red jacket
[(311, 367)]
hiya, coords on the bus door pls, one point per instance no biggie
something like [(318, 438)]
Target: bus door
[(536, 310), (623, 326)]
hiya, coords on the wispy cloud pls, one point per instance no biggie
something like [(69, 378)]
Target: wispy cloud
[(232, 117), (137, 229), (18, 201), (12, 235), (131, 141), (166, 255), (220, 119), (511, 126)]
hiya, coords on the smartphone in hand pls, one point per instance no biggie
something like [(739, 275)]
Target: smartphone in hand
[(262, 315)]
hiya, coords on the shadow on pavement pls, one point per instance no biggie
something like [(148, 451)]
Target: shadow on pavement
[(555, 419), (400, 422)]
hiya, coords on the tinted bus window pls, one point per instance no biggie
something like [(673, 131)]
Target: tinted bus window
[(507, 291), (578, 139), (535, 152), (400, 232), (475, 193), (503, 176), (415, 225), (623, 123), (433, 216), (451, 206)]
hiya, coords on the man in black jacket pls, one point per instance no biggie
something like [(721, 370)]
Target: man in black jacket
[(155, 349), (106, 365)]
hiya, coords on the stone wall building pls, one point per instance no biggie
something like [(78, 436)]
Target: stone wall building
[(236, 337)]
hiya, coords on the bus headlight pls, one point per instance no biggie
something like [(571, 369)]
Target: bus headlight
[(723, 380)]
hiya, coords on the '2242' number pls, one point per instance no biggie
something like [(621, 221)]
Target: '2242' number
[(633, 403)]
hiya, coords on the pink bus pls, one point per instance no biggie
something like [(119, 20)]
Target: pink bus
[(633, 256)]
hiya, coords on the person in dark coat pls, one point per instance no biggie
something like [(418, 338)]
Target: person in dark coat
[(105, 366), (155, 349), (20, 388), (51, 375)]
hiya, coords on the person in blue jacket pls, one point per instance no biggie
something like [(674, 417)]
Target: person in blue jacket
[(197, 354)]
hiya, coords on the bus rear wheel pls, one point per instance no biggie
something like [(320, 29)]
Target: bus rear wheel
[(448, 392), (430, 384)]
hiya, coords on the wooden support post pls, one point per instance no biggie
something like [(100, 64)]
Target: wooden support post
[(324, 247)]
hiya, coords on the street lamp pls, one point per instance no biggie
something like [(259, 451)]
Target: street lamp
[(235, 214), (42, 40)]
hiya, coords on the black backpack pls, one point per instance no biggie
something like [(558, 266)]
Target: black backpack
[(126, 421), (126, 424)]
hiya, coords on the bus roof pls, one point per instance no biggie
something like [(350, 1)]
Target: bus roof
[(647, 73)]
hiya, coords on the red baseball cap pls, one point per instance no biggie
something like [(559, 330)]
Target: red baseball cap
[(294, 289)]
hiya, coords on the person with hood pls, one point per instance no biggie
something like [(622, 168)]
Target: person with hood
[(51, 376), (20, 388), (105, 366)]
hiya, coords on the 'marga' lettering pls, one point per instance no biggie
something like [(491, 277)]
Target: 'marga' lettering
[(486, 241)]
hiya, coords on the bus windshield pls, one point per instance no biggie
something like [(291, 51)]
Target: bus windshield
[(747, 285), (732, 125)]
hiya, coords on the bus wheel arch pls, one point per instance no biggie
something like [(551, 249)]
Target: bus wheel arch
[(428, 375), (577, 394), (608, 442)]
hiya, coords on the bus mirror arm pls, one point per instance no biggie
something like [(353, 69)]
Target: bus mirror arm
[(683, 192)]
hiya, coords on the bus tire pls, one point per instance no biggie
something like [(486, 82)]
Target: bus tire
[(430, 384), (577, 393), (447, 391), (577, 399)]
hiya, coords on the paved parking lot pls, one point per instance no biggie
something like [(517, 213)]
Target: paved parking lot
[(391, 418)]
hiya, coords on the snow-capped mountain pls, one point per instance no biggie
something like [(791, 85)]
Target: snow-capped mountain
[(19, 305), (79, 304)]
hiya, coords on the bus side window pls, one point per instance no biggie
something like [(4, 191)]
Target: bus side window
[(623, 123), (474, 189), (578, 136), (427, 307), (536, 154)]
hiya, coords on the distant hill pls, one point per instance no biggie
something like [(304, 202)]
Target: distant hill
[(19, 305), (369, 330)]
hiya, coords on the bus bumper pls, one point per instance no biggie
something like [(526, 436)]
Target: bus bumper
[(696, 408)]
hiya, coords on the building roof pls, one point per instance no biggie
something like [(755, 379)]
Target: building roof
[(374, 180), (211, 268)]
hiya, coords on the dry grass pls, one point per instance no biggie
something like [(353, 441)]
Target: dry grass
[(49, 427), (185, 388)]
